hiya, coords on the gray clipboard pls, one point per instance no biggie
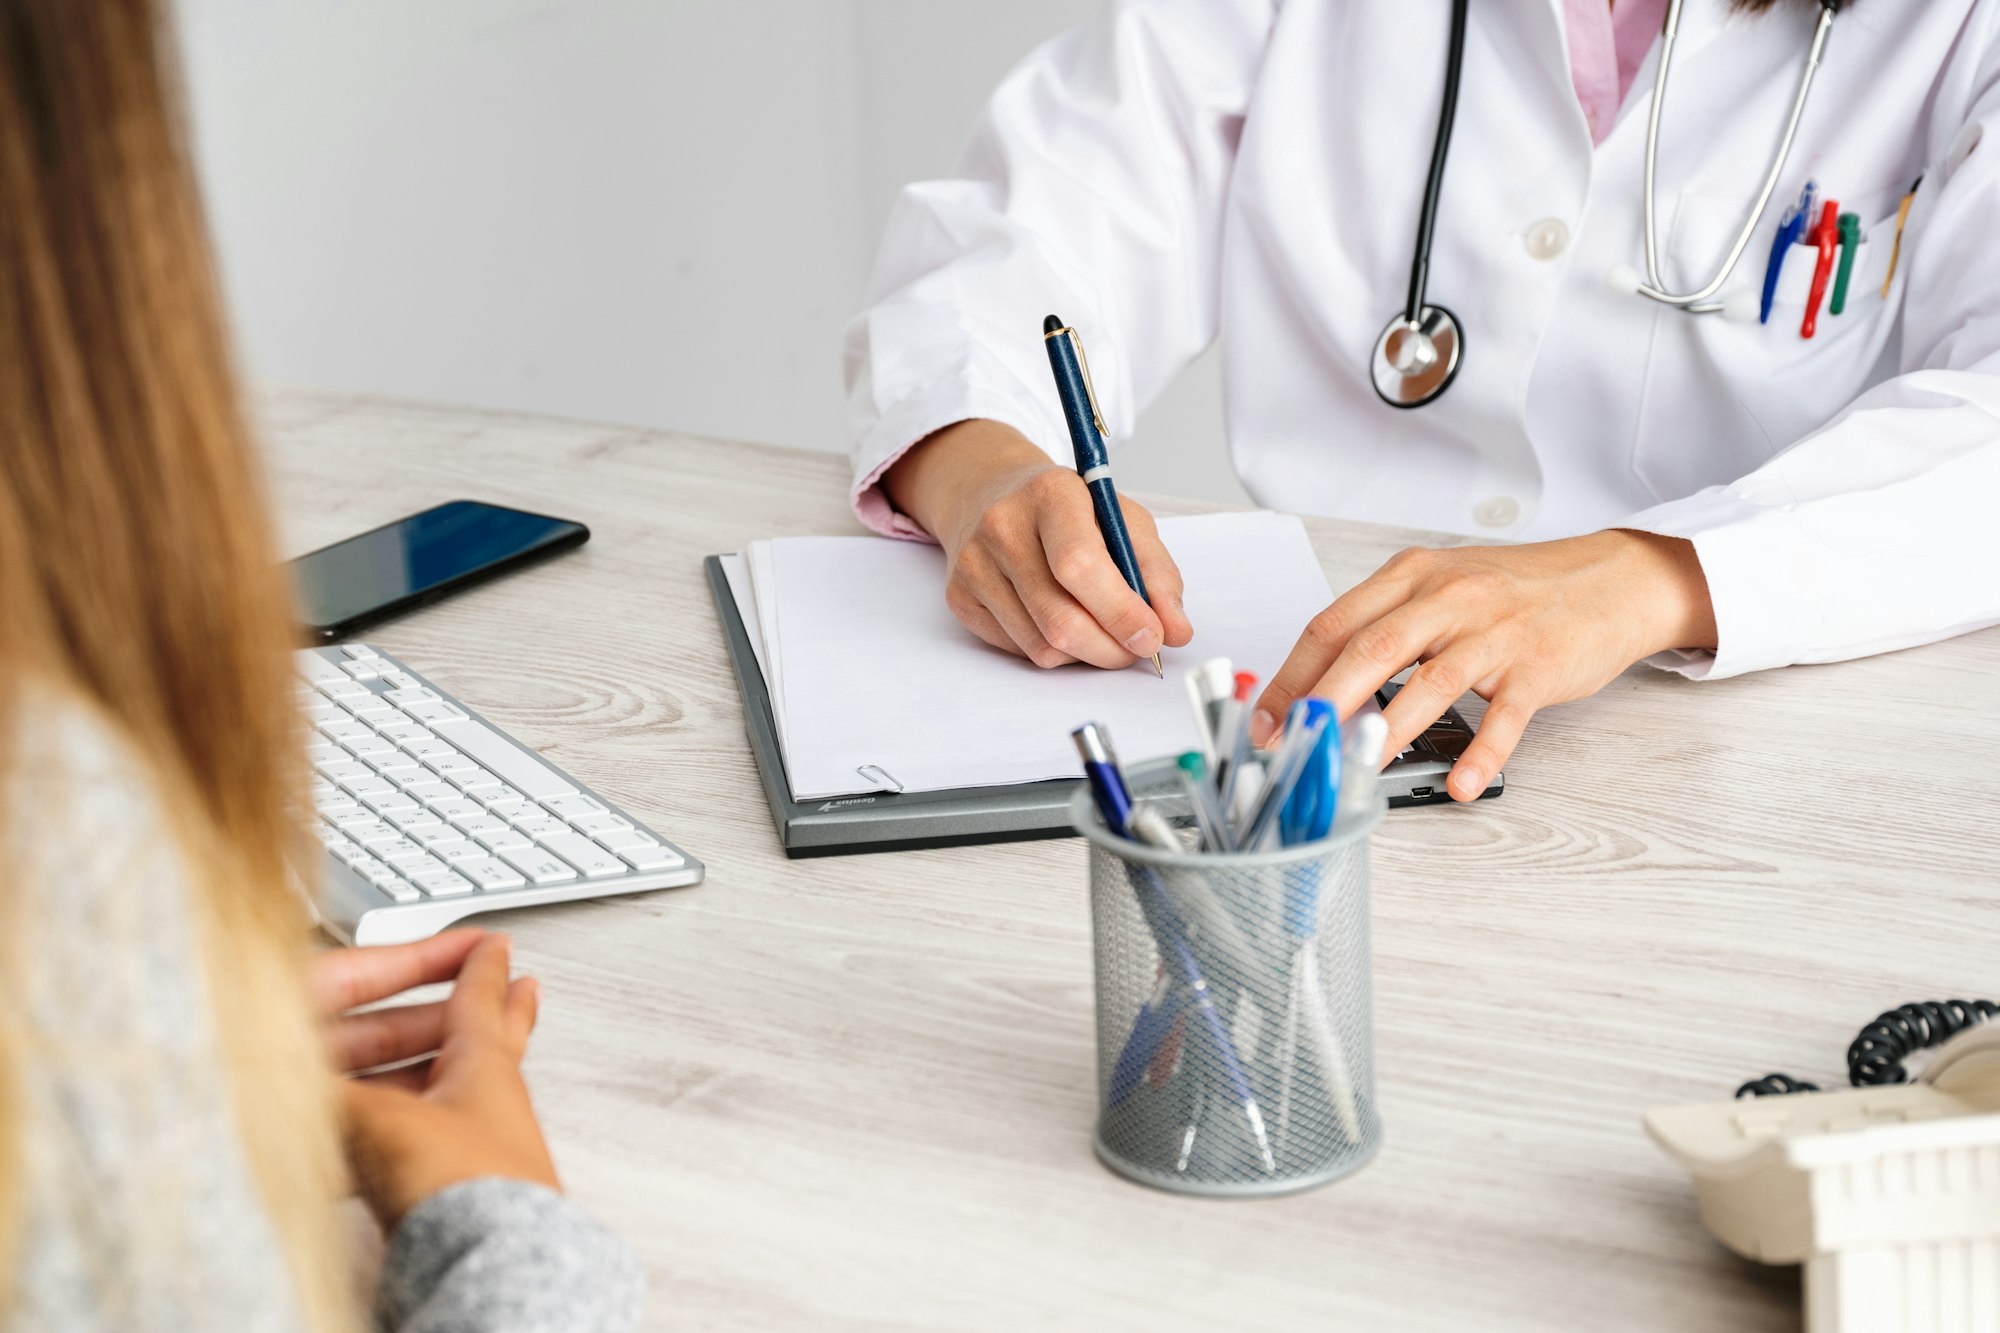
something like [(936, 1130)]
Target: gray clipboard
[(883, 821), (887, 822)]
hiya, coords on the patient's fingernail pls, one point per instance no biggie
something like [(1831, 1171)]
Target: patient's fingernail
[(1143, 644), (1262, 727)]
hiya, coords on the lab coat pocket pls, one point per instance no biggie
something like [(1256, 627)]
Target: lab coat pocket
[(1724, 396)]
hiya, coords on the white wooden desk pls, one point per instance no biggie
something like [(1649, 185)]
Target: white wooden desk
[(857, 1092)]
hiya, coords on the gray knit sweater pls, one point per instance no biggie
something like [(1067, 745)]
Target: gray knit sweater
[(140, 1210)]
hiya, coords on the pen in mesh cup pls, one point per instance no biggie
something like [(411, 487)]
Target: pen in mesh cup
[(1169, 932)]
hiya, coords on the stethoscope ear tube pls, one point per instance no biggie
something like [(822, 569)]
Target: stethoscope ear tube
[(1417, 357), (1420, 264)]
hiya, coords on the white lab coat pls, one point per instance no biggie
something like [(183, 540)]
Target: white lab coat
[(1181, 170)]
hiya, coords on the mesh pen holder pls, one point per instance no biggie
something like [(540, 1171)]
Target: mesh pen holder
[(1235, 1034)]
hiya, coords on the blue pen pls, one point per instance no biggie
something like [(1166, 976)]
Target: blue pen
[(1308, 817), (1093, 459), (1114, 803), (1791, 227)]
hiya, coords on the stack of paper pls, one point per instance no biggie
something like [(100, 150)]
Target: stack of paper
[(875, 686)]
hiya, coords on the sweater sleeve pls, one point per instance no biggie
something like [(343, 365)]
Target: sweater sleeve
[(506, 1256)]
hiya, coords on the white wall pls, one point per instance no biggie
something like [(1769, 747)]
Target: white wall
[(649, 211)]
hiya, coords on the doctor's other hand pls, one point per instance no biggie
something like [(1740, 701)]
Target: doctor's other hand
[(1026, 568), (1523, 627), (461, 1114)]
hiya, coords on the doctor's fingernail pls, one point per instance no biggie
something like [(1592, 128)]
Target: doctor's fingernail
[(1143, 644), (1467, 783), (1262, 727)]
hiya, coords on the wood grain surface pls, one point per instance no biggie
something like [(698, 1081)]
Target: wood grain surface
[(857, 1093)]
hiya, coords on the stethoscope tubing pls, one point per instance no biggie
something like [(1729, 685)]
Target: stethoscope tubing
[(1420, 263), (1702, 302)]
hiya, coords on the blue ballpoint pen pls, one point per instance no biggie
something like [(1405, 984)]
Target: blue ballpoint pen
[(1308, 816), (1791, 227), (1093, 459), (1114, 802)]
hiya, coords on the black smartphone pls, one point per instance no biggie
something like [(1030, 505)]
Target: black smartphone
[(352, 584)]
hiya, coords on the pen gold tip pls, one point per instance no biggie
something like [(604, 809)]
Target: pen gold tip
[(1158, 669)]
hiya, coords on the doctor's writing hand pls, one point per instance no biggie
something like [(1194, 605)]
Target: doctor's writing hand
[(1523, 627), (1027, 569)]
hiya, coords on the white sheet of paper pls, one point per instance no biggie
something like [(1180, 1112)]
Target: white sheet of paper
[(872, 669)]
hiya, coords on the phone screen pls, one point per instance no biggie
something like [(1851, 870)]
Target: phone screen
[(417, 558)]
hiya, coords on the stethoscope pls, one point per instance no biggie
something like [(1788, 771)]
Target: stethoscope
[(1418, 355)]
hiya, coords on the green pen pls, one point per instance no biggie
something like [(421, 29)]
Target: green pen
[(1201, 796), (1850, 241)]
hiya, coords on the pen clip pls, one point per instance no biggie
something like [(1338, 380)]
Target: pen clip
[(1089, 388)]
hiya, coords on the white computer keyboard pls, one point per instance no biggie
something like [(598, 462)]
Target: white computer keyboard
[(430, 814)]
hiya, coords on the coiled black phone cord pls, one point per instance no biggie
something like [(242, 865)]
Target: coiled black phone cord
[(1877, 1055)]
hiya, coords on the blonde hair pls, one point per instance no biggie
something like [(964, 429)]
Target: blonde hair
[(138, 572)]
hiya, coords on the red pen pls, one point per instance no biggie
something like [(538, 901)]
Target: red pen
[(1827, 237)]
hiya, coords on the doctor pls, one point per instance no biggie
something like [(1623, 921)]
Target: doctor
[(1712, 493)]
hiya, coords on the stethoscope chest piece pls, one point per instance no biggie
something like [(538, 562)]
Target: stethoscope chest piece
[(1415, 362)]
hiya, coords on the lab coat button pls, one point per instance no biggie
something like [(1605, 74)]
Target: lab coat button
[(1500, 512), (1547, 238)]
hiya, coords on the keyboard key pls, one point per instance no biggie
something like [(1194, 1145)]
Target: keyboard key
[(326, 752), (337, 803), (343, 689), (317, 670), (500, 802), (463, 850), (503, 839), (541, 825), (491, 874), (427, 746), (371, 744), (539, 866), (333, 770), (352, 818), (401, 680), (322, 712), (368, 782), (585, 855), (451, 765), (355, 856), (398, 732), (474, 825), (619, 839), (653, 858), (350, 730), (475, 781), (391, 803), (359, 650), (411, 694), (441, 883), (372, 833), (361, 668), (514, 765), (410, 779), (432, 788), (592, 825), (334, 840), (401, 850), (432, 714), (420, 817), (373, 711), (435, 835), (456, 808), (394, 761), (573, 807)]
